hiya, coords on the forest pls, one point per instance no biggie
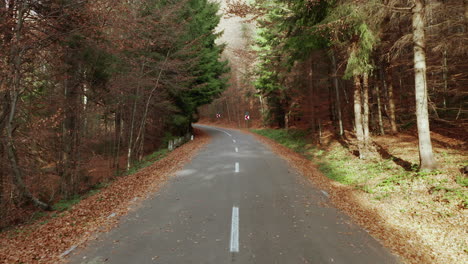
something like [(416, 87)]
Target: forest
[(367, 99), (88, 88), (370, 67)]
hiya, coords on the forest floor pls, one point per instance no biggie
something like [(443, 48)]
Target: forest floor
[(52, 236), (422, 217)]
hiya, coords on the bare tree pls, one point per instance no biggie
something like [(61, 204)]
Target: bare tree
[(426, 156)]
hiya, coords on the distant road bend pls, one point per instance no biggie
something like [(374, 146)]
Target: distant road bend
[(235, 202)]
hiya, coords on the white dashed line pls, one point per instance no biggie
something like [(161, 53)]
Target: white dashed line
[(222, 131), (235, 230), (237, 150), (237, 167), (68, 251), (325, 193), (234, 141)]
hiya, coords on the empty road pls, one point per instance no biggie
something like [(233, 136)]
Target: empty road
[(235, 202)]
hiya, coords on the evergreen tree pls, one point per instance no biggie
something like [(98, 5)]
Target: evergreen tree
[(207, 69)]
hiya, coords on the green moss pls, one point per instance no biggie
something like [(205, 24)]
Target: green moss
[(292, 138), (65, 204), (147, 161)]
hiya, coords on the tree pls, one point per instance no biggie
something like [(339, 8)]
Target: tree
[(15, 42), (426, 156)]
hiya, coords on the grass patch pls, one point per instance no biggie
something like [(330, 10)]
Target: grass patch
[(380, 177), (147, 161), (97, 188), (462, 180), (292, 138), (336, 163), (66, 204)]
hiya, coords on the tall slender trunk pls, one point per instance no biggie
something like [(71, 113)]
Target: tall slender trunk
[(239, 112), (70, 152), (426, 156), (391, 101), (337, 94), (141, 132), (227, 109), (379, 110), (319, 130), (365, 113), (445, 77), (358, 126), (345, 92), (312, 92), (132, 128), (117, 139)]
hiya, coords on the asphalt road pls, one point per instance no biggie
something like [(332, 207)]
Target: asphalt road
[(235, 202)]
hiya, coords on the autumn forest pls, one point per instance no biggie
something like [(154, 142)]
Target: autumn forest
[(96, 83), (373, 92)]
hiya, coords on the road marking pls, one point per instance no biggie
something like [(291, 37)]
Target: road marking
[(68, 251), (237, 150), (235, 230), (325, 193), (237, 167), (234, 141), (222, 131)]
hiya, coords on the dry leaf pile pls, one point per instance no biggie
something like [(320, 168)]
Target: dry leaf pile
[(45, 242)]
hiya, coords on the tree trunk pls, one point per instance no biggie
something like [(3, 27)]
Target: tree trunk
[(445, 77), (132, 128), (391, 101), (227, 109), (358, 126), (312, 92), (239, 112), (118, 136), (70, 152), (320, 131), (11, 153), (379, 110), (426, 156), (141, 132), (337, 93), (365, 114)]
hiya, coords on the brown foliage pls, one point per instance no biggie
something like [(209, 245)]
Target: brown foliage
[(45, 241)]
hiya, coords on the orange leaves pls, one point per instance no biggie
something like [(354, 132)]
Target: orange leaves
[(44, 242)]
